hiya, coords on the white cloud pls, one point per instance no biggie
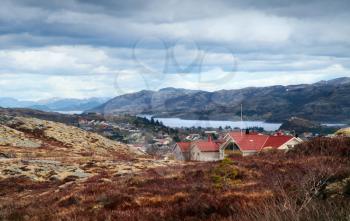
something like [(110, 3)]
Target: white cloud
[(74, 49), (231, 26), (40, 73), (58, 60), (35, 87)]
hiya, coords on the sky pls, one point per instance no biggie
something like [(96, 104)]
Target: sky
[(105, 48)]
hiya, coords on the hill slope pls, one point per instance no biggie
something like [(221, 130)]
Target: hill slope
[(311, 182), (55, 104), (324, 101), (44, 151)]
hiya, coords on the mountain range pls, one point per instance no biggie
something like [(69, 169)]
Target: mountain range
[(54, 104), (324, 101)]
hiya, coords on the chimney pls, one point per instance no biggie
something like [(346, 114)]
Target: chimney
[(209, 138), (279, 133)]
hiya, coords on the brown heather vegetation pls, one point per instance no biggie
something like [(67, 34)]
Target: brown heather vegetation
[(312, 182)]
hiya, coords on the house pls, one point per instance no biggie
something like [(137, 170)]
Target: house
[(251, 143), (281, 142), (201, 150), (181, 150), (234, 142), (308, 135), (193, 137)]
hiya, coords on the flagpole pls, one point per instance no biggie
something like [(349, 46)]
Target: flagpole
[(241, 119)]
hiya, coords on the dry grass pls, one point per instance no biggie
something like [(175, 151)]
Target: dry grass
[(270, 186)]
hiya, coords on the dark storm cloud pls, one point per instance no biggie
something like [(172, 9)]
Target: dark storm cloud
[(296, 8), (122, 23), (314, 27), (61, 38)]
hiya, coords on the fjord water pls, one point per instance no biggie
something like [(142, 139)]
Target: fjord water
[(178, 123), (69, 112)]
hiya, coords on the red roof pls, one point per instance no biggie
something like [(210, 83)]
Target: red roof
[(208, 146), (249, 141), (276, 141), (184, 146), (258, 141)]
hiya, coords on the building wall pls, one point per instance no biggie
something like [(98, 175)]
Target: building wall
[(248, 153), (231, 141), (224, 148), (197, 155), (178, 154), (210, 156), (186, 155), (290, 144)]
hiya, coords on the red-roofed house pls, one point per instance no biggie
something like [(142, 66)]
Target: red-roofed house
[(251, 143), (199, 150), (205, 150), (181, 150), (243, 143), (281, 142)]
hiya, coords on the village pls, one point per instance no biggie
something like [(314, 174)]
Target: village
[(192, 144), (145, 135), (233, 143)]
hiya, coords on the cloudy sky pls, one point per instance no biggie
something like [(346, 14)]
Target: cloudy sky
[(87, 48)]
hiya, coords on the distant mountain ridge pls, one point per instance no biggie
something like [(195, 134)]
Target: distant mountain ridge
[(324, 101), (54, 104)]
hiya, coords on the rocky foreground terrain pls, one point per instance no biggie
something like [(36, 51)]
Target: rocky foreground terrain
[(44, 151), (51, 171)]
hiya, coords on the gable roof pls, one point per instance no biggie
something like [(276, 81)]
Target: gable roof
[(184, 146), (208, 146), (254, 142), (276, 141), (257, 141)]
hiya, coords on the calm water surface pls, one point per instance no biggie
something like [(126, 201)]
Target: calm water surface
[(177, 123)]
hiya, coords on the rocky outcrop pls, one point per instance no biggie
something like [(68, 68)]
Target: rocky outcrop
[(42, 170), (300, 125), (339, 188), (11, 137), (343, 132), (43, 151), (75, 139)]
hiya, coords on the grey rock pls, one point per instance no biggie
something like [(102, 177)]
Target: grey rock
[(7, 155), (339, 188)]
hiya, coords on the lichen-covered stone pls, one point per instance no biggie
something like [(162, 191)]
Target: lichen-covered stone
[(11, 137)]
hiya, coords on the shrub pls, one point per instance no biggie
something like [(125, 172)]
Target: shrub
[(339, 146), (226, 161), (225, 173), (347, 187)]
